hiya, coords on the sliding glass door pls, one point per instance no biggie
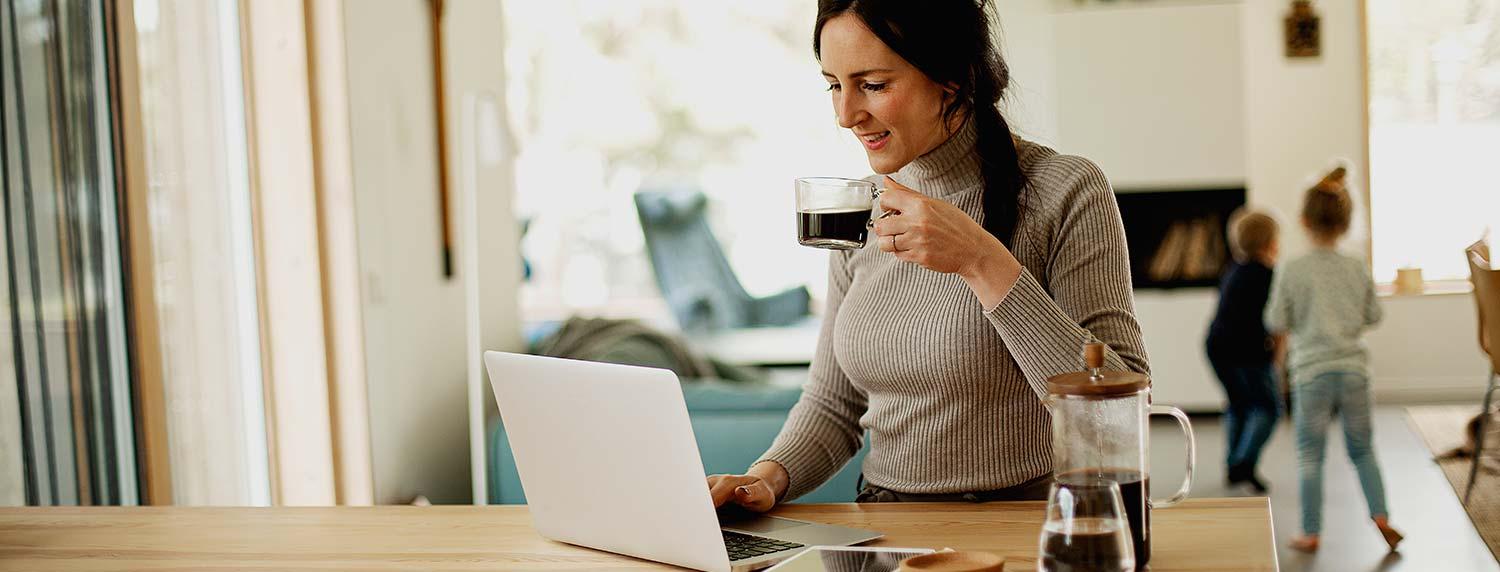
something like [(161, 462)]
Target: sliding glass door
[(65, 395)]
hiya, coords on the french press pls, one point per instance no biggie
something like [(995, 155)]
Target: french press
[(1100, 431)]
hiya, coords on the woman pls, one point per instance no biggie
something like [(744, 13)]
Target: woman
[(1000, 259)]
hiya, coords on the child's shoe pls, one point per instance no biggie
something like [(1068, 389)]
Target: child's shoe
[(1306, 543), (1391, 535)]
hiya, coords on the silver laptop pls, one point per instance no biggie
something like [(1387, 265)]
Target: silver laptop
[(608, 461)]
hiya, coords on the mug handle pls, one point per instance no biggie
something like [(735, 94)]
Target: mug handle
[(1192, 454), (875, 206)]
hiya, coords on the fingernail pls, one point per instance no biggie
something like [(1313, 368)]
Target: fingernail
[(743, 491)]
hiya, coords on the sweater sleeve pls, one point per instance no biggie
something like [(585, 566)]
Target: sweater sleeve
[(822, 432), (1087, 294)]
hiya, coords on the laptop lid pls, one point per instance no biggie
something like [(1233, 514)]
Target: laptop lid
[(607, 458)]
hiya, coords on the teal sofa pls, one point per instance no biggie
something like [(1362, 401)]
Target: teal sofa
[(733, 422)]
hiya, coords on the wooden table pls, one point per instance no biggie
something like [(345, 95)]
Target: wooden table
[(1200, 534)]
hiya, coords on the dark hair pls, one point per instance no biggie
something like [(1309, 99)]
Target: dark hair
[(1327, 207), (949, 41)]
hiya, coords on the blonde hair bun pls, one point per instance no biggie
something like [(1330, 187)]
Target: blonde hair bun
[(1327, 207)]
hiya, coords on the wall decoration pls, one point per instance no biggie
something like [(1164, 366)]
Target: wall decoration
[(1304, 38)]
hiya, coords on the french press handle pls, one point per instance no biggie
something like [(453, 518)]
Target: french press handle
[(1192, 454)]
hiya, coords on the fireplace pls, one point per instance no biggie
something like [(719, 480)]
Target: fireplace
[(1176, 236)]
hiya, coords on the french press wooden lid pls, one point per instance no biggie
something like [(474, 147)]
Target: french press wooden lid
[(1096, 382)]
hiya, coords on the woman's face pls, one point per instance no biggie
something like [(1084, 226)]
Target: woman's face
[(894, 110)]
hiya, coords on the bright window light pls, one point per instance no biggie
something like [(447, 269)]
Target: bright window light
[(608, 98), (1434, 132)]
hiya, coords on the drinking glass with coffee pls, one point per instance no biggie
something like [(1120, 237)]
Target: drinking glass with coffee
[(834, 213), (1085, 529)]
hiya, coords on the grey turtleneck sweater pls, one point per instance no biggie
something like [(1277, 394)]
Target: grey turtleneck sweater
[(950, 392)]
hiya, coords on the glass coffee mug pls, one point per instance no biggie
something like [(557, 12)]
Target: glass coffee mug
[(834, 213)]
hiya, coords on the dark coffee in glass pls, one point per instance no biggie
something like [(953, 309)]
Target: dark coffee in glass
[(1086, 529), (1092, 547), (833, 228), (1135, 496), (834, 213)]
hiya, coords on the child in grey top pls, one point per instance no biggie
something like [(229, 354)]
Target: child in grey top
[(1325, 301)]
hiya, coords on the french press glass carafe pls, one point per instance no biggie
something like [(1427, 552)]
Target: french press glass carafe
[(1100, 432)]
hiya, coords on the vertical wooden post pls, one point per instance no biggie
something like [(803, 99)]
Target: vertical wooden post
[(339, 250), (283, 193)]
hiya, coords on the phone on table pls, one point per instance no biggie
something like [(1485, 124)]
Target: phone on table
[(848, 559)]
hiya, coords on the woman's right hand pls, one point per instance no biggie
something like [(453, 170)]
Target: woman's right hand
[(756, 490)]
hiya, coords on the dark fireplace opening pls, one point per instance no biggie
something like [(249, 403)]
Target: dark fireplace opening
[(1177, 237)]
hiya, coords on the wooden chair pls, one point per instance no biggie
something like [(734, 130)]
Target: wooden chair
[(1487, 296)]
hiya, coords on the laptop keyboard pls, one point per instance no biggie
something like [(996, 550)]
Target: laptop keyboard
[(744, 546)]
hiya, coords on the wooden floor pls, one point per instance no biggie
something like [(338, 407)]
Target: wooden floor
[(1439, 535)]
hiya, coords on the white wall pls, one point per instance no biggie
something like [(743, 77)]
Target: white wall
[(1302, 114), (1153, 94), (1428, 349), (1027, 38), (1174, 323), (414, 317)]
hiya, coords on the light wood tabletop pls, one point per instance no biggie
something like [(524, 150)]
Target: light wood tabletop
[(1200, 534)]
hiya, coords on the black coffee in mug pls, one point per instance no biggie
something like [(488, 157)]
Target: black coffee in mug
[(834, 213), (836, 228)]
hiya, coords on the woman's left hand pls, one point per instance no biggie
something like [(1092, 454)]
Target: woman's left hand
[(932, 233)]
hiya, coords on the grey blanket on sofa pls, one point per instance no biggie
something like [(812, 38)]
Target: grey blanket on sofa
[(631, 342)]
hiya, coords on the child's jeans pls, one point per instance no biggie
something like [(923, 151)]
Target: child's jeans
[(1254, 406), (1314, 404)]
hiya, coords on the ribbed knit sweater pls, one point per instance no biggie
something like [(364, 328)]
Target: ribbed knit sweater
[(951, 392)]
